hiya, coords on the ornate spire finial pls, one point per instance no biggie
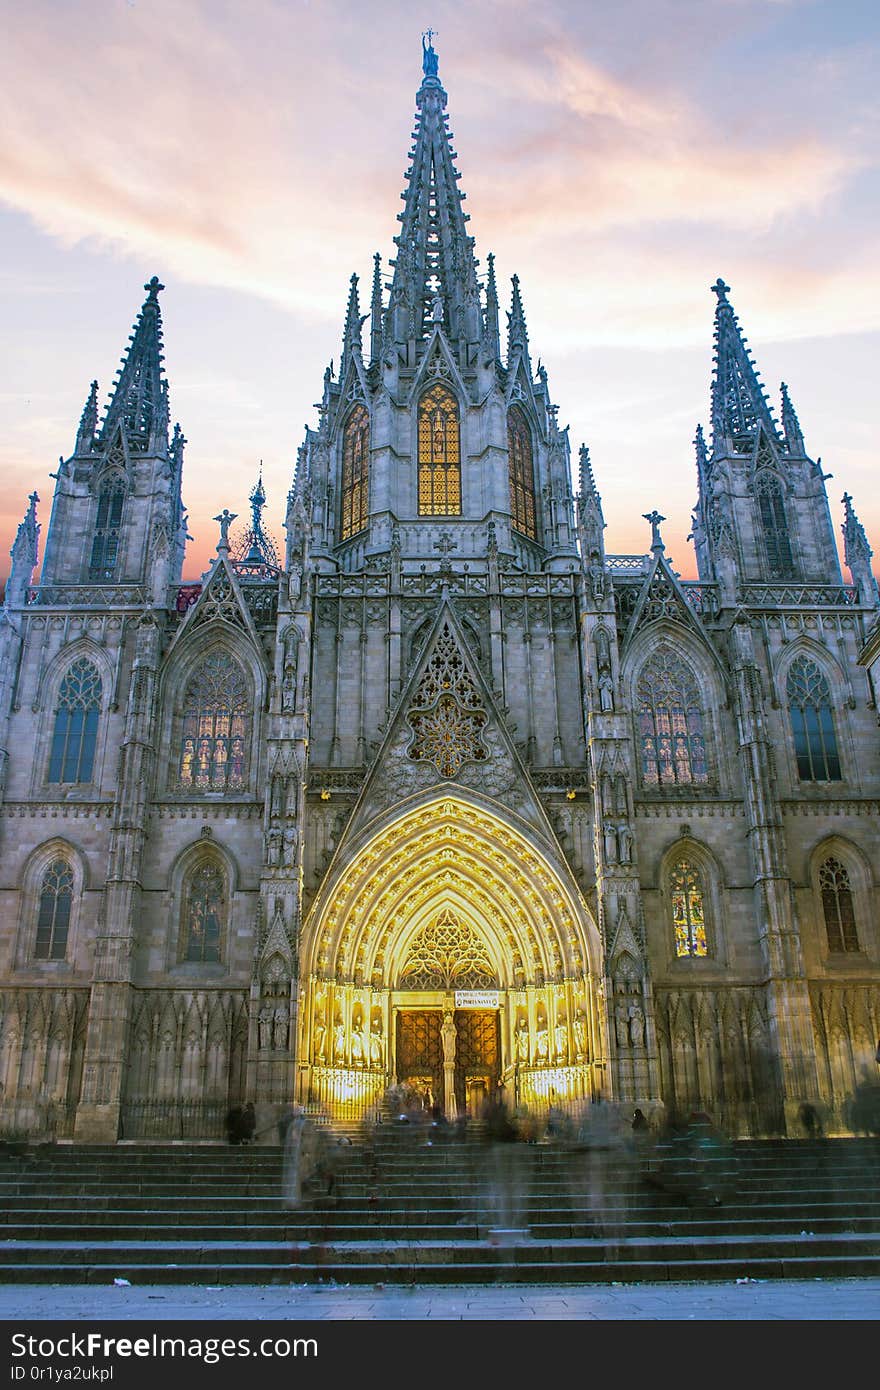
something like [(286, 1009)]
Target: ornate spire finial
[(794, 435), (225, 519), (517, 333), (721, 290), (376, 310), (429, 57), (153, 289), (88, 422), (656, 539)]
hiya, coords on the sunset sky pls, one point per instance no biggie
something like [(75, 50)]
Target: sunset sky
[(618, 156)]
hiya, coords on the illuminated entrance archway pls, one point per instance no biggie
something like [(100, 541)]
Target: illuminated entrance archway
[(445, 904)]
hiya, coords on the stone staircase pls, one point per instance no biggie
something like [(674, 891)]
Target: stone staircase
[(406, 1211)]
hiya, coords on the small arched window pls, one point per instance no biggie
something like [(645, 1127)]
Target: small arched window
[(355, 472), (439, 453), (688, 909), (53, 920), (108, 530), (204, 913), (837, 906), (774, 526), (670, 717), (521, 473), (213, 754), (812, 724), (72, 755)]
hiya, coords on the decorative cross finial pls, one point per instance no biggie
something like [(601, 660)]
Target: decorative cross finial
[(655, 518), (153, 287), (225, 519), (445, 545), (720, 289)]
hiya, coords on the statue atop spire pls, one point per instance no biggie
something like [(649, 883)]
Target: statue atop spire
[(429, 56), (656, 539)]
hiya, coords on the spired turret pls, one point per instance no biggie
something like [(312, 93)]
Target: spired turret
[(117, 516), (762, 511), (435, 432)]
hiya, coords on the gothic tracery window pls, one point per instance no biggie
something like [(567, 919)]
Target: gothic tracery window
[(213, 754), (108, 530), (439, 453), (670, 718), (53, 918), (75, 731), (837, 906), (688, 910), (521, 473), (812, 723), (774, 526), (355, 472), (204, 913), (448, 954)]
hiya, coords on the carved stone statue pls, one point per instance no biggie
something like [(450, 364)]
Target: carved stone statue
[(560, 1037), (376, 1046), (621, 807), (581, 1038), (294, 587), (606, 692), (265, 1027), (603, 649), (542, 1043), (636, 1025), (274, 841), (521, 1040), (621, 1025), (338, 1040), (624, 843), (448, 1037), (358, 1044), (279, 1027), (319, 1035), (291, 841), (610, 845)]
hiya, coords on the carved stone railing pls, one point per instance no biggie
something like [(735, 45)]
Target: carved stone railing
[(627, 564), (799, 595), (88, 596)]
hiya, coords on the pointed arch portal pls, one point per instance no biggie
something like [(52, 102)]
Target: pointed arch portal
[(448, 916)]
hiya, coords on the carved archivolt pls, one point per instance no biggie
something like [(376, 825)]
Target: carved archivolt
[(450, 855)]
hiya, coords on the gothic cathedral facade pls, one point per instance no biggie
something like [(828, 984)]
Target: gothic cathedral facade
[(446, 794)]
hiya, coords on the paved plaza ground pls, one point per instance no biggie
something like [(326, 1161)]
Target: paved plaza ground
[(777, 1300)]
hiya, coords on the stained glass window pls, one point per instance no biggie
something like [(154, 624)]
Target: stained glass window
[(670, 722), (521, 472), (812, 724), (837, 906), (204, 913), (72, 754), (108, 528), (216, 728), (439, 454), (355, 472), (688, 916), (774, 525), (53, 922)]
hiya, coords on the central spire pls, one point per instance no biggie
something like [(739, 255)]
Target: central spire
[(435, 273)]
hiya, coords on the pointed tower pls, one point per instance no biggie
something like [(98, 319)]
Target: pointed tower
[(857, 555), (435, 432), (117, 515), (762, 513)]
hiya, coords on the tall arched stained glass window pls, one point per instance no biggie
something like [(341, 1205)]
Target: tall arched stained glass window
[(774, 525), (521, 473), (72, 755), (439, 454), (355, 472), (213, 754), (204, 913), (812, 724), (688, 914), (670, 717), (837, 906), (108, 529), (53, 921)]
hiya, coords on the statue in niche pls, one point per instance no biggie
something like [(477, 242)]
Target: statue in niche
[(606, 692), (338, 1040), (636, 1025), (624, 843), (521, 1039), (291, 663), (581, 1040), (294, 587), (437, 309), (277, 796), (358, 1043), (290, 807), (448, 1037), (376, 1049), (319, 1033), (603, 650), (291, 841), (279, 1027), (265, 1027), (610, 845), (621, 1024), (621, 806), (561, 1039), (607, 796), (274, 840), (542, 1042), (597, 580)]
